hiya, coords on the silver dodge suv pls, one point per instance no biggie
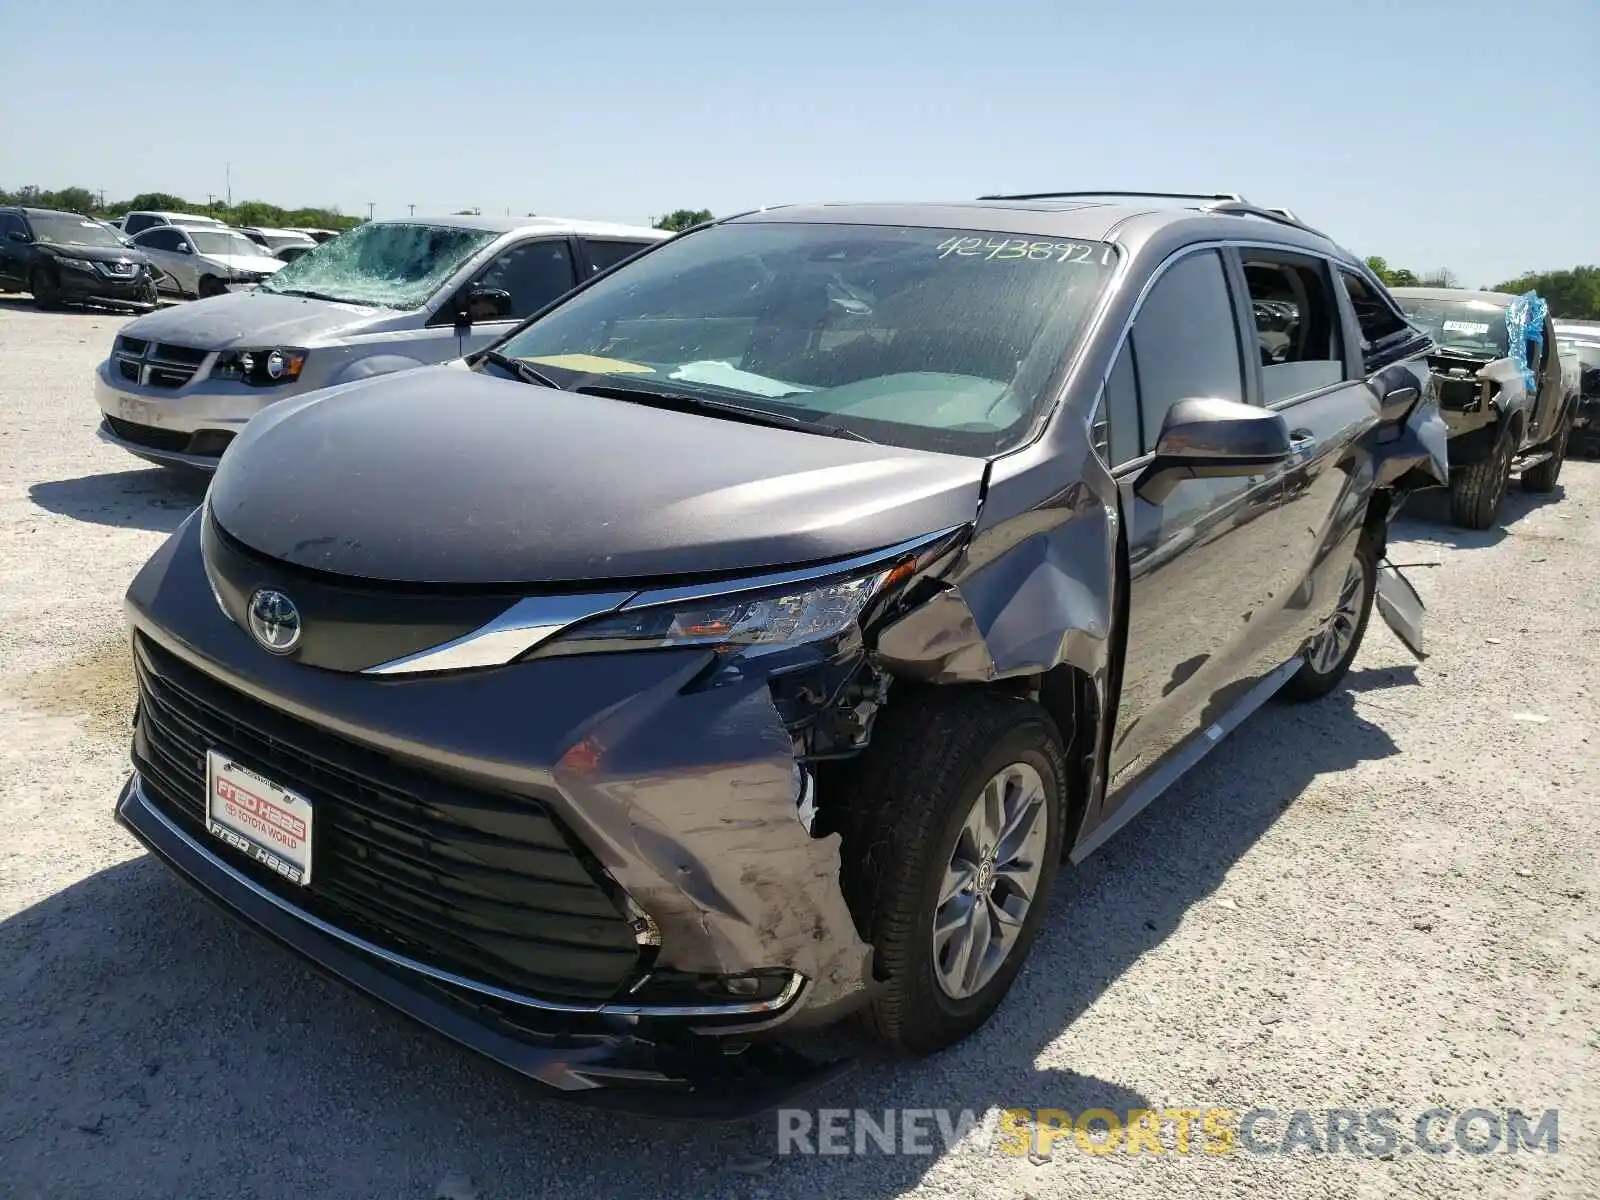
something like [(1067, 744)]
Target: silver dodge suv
[(385, 296)]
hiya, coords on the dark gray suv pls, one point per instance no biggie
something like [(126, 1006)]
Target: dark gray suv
[(748, 639)]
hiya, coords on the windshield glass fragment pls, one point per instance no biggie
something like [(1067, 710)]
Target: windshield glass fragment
[(385, 264)]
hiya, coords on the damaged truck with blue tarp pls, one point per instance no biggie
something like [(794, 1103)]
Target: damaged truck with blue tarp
[(1501, 389)]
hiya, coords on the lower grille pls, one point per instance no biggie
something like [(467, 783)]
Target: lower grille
[(487, 885), (148, 435)]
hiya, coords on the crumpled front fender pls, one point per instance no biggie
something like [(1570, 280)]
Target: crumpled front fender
[(689, 798)]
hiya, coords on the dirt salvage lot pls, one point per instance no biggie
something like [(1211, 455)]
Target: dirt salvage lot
[(1390, 899)]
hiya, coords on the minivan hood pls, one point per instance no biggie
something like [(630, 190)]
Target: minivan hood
[(449, 477), (253, 320)]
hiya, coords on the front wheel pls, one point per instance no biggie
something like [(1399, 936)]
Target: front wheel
[(1477, 491), (45, 293), (210, 286), (1542, 478), (1334, 646), (952, 844)]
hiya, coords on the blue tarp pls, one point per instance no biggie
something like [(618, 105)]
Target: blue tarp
[(1525, 323)]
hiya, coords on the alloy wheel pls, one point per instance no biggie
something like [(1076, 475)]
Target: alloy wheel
[(990, 881), (1333, 640)]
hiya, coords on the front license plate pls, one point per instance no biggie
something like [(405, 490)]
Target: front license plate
[(258, 817)]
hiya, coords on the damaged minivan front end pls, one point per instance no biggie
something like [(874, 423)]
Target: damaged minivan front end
[(748, 640), (592, 813)]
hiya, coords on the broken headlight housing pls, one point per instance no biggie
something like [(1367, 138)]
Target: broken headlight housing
[(262, 368)]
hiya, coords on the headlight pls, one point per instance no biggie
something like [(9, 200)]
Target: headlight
[(263, 368), (757, 620), (76, 264)]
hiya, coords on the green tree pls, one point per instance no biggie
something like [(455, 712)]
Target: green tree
[(1401, 277), (1573, 294), (153, 202), (684, 218)]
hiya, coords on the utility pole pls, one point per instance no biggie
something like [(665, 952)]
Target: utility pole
[(228, 168), (413, 209), (371, 204), (211, 202)]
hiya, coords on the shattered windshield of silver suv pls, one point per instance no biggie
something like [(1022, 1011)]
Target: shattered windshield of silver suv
[(387, 264)]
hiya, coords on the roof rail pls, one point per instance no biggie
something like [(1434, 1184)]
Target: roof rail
[(1243, 208), (1233, 196), (1229, 203)]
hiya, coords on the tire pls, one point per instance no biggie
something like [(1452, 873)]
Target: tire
[(1542, 478), (210, 286), (1335, 645), (45, 294), (909, 801), (1476, 492)]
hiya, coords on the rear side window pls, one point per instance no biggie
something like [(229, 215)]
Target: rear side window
[(603, 255), (1297, 324), (535, 273), (10, 224), (161, 238), (137, 222), (1185, 341)]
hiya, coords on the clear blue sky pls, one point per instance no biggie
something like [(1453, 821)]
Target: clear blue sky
[(1455, 134)]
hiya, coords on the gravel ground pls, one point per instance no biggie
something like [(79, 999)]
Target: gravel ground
[(1387, 899)]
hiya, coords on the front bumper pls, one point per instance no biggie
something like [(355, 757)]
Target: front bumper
[(681, 800), (611, 1060), (80, 287), (188, 425)]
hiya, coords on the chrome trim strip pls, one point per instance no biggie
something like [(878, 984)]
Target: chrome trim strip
[(1200, 743), (534, 620), (780, 1001), (778, 579), (513, 633)]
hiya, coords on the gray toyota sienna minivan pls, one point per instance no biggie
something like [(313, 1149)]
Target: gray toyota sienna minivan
[(749, 639)]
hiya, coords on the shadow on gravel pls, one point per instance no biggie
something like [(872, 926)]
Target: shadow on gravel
[(154, 1047), (154, 499), (1426, 518)]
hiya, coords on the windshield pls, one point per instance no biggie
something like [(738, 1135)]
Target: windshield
[(389, 264), (73, 231), (192, 222), (220, 241), (940, 339), (1475, 327), (277, 241)]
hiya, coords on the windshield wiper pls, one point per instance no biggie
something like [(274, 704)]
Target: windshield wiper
[(524, 371), (684, 402), (310, 295)]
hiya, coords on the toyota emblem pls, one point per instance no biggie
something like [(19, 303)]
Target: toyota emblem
[(275, 621)]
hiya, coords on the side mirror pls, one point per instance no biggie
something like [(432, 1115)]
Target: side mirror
[(483, 304), (16, 235), (1205, 438), (1396, 400)]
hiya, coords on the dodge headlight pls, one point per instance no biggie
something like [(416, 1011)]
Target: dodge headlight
[(264, 368), (755, 620)]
